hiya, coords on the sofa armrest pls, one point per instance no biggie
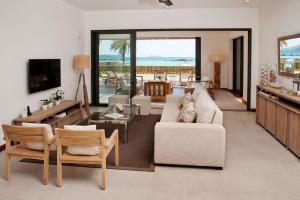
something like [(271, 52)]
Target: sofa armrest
[(174, 98)]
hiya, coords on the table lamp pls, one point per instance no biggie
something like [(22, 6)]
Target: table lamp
[(82, 62), (217, 60)]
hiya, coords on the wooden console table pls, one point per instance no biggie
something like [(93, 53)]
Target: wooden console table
[(279, 114), (73, 110)]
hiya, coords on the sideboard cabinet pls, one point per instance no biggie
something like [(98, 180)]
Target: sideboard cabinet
[(279, 114)]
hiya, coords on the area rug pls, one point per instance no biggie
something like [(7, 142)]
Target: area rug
[(136, 155)]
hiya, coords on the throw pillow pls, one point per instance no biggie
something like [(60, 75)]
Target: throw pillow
[(187, 114), (88, 151), (198, 90), (40, 146), (188, 98)]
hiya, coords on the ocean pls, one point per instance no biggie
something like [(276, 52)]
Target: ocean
[(150, 61)]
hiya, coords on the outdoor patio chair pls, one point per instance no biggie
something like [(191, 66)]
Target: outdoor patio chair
[(161, 75), (112, 78), (123, 85)]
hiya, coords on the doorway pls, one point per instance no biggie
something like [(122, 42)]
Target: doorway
[(238, 66)]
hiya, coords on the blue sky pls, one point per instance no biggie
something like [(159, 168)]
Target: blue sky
[(157, 47)]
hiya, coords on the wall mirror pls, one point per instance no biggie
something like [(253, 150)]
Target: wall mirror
[(289, 55)]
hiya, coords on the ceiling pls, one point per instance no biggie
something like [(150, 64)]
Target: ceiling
[(153, 4)]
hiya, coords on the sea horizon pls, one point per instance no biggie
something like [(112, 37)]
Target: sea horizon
[(150, 60)]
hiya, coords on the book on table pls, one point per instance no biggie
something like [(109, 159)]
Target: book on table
[(113, 116)]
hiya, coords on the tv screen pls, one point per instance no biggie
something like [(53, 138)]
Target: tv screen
[(43, 74)]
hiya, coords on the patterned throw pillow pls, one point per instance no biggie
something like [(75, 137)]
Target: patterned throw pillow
[(188, 98), (188, 113)]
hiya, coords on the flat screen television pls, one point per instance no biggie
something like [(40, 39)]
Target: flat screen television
[(43, 74)]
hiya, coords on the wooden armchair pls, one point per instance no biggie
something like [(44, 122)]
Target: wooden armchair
[(158, 90), (25, 135), (69, 138)]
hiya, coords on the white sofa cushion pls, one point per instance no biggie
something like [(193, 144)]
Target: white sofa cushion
[(206, 109), (197, 91), (40, 146), (89, 151), (187, 114)]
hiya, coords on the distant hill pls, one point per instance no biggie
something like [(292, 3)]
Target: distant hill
[(292, 51)]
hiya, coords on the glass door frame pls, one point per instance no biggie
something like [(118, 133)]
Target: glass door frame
[(95, 69)]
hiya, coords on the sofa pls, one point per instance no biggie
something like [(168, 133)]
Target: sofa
[(191, 144)]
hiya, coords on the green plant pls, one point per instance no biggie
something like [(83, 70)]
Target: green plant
[(47, 101)]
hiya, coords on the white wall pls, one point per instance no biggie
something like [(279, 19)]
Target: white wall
[(35, 29), (185, 18), (277, 18), (215, 43)]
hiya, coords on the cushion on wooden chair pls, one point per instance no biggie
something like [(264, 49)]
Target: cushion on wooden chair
[(88, 151), (40, 146)]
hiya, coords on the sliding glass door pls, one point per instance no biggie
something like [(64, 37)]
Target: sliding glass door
[(115, 65)]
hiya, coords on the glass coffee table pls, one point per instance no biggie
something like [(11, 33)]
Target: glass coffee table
[(129, 112)]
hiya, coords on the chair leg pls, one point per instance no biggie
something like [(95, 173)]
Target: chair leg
[(59, 174), (46, 171), (117, 160), (103, 182), (6, 169)]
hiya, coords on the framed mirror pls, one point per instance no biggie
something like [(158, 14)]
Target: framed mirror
[(289, 55)]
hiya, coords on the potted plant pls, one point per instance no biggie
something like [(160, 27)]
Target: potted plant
[(44, 104), (50, 102), (58, 97)]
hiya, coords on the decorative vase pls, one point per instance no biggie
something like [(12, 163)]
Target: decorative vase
[(44, 107), (264, 77), (57, 102), (50, 105)]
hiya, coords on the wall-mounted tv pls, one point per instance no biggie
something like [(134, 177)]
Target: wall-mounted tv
[(43, 74)]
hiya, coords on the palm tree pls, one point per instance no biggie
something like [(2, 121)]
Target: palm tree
[(122, 47)]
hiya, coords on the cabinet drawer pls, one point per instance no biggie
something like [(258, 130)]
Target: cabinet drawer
[(270, 116), (281, 124), (261, 111), (75, 117), (294, 133)]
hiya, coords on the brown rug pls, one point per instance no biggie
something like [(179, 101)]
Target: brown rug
[(136, 155)]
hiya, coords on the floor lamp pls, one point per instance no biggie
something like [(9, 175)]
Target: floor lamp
[(217, 60), (82, 62)]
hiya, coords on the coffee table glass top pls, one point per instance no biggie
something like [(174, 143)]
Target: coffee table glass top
[(129, 112)]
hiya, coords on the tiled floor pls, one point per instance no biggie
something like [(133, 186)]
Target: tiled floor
[(257, 168)]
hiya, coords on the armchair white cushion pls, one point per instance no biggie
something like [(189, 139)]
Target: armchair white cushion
[(89, 151), (40, 146)]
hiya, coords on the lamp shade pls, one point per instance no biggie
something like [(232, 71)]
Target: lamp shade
[(216, 58), (82, 62)]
